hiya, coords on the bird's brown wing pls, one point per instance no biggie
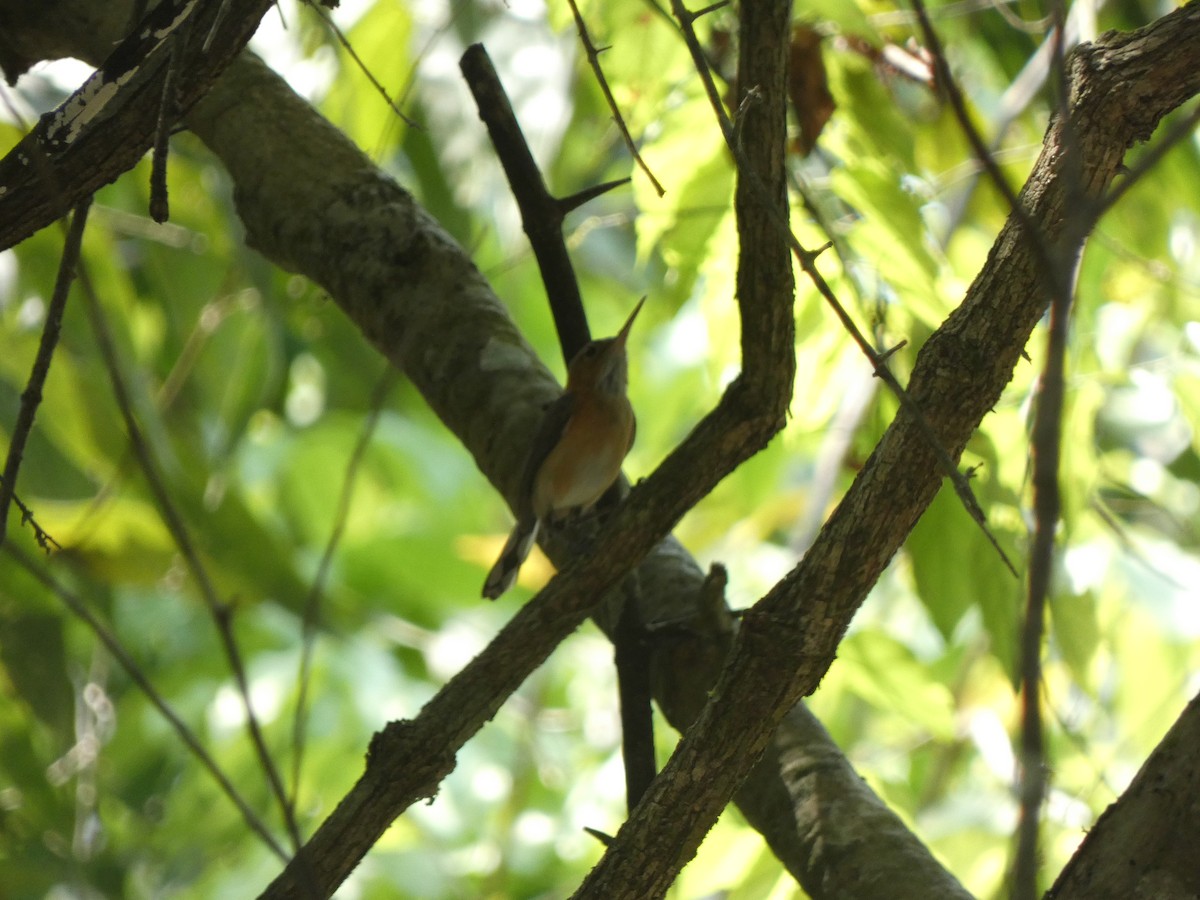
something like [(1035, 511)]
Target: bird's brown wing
[(554, 421)]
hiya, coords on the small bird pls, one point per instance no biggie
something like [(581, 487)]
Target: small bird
[(577, 452)]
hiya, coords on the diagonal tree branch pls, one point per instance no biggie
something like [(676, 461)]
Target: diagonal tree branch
[(1144, 844), (218, 609), (31, 397), (102, 131)]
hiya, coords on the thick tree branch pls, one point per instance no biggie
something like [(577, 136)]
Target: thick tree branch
[(1145, 844), (110, 122)]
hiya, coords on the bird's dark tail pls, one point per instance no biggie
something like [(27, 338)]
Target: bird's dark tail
[(516, 548)]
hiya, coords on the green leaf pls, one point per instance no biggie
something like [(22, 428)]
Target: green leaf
[(1076, 633), (34, 657), (956, 569), (886, 673)]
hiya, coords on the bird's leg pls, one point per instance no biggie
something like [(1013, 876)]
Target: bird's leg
[(579, 525)]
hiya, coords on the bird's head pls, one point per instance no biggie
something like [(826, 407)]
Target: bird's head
[(602, 365)]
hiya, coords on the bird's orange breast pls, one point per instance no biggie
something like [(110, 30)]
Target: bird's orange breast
[(586, 460)]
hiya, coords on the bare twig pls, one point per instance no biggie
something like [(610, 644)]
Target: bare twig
[(207, 322), (218, 609), (312, 602), (112, 643), (1180, 130), (541, 213), (221, 11), (1031, 233), (160, 208), (1016, 97), (1047, 436), (593, 56), (700, 62), (31, 398), (362, 66), (576, 200), (945, 80), (43, 537)]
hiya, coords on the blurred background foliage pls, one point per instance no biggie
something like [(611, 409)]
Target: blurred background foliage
[(258, 400)]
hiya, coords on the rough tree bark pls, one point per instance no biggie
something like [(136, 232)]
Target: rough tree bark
[(314, 204)]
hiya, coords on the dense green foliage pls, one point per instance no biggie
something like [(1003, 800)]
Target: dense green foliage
[(253, 392)]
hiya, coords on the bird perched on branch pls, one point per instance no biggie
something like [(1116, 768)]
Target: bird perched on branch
[(577, 452)]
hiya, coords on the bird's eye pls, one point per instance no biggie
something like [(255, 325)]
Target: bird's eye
[(591, 350)]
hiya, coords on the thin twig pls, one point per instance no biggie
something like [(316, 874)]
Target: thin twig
[(576, 200), (986, 158), (43, 537), (312, 602), (362, 66), (632, 658), (807, 260), (1016, 97), (593, 56), (1047, 439), (218, 609), (217, 19), (160, 208), (1184, 128), (700, 62), (112, 643), (31, 398), (541, 213)]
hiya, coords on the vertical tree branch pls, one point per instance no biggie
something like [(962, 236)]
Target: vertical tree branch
[(541, 214), (634, 866), (1047, 428)]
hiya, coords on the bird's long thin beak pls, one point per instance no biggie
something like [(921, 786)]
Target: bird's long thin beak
[(624, 332)]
